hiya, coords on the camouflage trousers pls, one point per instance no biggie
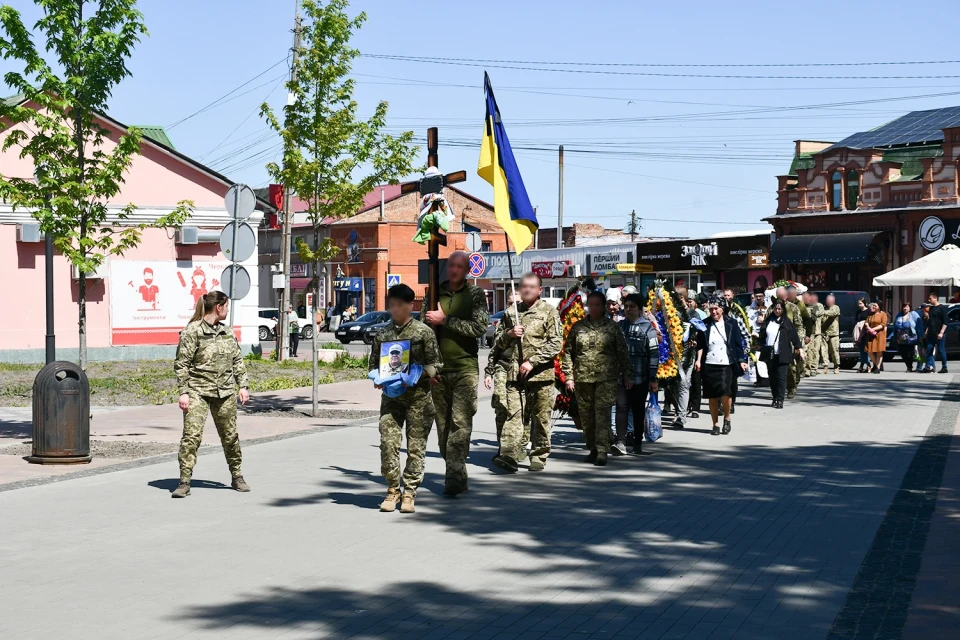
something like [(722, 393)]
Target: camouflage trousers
[(794, 374), (455, 399), (812, 353), (413, 410), (224, 412), (502, 413), (830, 351), (595, 402), (536, 400)]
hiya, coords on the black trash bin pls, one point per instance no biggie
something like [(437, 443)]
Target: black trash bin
[(61, 415)]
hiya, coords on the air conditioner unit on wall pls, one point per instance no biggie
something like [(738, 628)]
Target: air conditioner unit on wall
[(99, 274), (573, 271), (188, 235), (29, 232)]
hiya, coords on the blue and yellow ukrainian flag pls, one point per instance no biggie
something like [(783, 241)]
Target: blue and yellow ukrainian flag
[(498, 167)]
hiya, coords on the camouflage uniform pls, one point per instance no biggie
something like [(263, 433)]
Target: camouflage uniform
[(795, 370), (497, 369), (413, 410), (209, 368), (540, 345), (814, 332), (830, 336), (595, 357), (455, 398)]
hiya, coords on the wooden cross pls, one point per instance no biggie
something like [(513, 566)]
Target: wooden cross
[(433, 185)]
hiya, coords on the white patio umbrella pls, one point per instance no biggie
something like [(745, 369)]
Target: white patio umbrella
[(937, 269)]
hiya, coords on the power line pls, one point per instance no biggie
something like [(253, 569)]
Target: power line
[(498, 65), (223, 98), (669, 65), (244, 121)]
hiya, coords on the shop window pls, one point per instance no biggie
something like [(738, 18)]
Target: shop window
[(369, 294), (853, 189), (836, 191)]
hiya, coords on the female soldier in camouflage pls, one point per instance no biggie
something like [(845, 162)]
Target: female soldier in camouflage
[(209, 368), (594, 359)]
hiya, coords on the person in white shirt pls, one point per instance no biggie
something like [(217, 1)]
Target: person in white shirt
[(757, 311), (720, 358)]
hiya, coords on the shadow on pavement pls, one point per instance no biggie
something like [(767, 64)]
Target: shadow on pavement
[(16, 429), (169, 484)]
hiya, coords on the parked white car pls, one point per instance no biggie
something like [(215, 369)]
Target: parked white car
[(269, 317)]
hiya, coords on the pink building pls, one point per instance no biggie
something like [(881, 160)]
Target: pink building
[(136, 304)]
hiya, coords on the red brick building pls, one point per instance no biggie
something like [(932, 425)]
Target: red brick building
[(849, 211), (378, 241)]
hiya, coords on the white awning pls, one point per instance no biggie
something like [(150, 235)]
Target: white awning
[(937, 269)]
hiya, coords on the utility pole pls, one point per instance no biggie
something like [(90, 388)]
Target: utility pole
[(633, 225), (560, 205), (51, 340), (284, 325)]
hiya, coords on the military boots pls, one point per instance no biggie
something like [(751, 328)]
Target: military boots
[(391, 501)]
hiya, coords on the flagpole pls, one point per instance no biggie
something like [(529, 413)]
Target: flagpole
[(516, 315)]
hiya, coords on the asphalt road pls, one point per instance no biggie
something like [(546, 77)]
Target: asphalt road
[(356, 348)]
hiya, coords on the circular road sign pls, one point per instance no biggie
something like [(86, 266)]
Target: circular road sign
[(477, 265), (240, 201), (242, 284), (474, 242), (238, 241)]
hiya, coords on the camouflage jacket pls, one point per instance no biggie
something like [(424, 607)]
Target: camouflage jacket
[(209, 361), (813, 322), (596, 352), (424, 349), (540, 345), (796, 317), (830, 321), (467, 320)]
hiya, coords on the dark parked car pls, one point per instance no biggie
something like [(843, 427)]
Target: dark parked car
[(360, 328), (492, 327)]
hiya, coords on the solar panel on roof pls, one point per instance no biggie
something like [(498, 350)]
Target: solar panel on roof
[(912, 128)]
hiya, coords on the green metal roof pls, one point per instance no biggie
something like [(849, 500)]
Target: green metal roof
[(802, 161), (912, 168), (157, 134)]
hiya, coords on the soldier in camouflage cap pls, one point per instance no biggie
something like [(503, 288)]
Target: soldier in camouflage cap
[(459, 323), (413, 408), (495, 378), (530, 338), (210, 370), (594, 358), (796, 316), (830, 338)]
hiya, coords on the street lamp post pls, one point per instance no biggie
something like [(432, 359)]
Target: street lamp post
[(51, 338)]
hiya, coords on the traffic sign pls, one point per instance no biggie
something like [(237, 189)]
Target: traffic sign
[(240, 201), (474, 242), (241, 287), (393, 279), (238, 241), (477, 265)]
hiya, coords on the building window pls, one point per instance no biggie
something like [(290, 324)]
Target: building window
[(485, 247), (853, 189), (836, 191)]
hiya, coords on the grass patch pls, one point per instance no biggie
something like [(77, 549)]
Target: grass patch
[(333, 345), (153, 382)]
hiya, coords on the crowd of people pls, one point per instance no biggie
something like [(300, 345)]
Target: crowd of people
[(428, 368)]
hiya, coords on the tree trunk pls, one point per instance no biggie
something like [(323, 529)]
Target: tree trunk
[(82, 304), (315, 345)]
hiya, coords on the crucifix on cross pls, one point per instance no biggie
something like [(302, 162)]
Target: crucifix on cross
[(433, 182)]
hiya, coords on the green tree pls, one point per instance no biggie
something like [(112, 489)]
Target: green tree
[(331, 157), (55, 121)]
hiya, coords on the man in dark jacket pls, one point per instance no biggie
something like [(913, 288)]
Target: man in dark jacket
[(643, 347)]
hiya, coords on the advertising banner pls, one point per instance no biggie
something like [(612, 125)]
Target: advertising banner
[(151, 301)]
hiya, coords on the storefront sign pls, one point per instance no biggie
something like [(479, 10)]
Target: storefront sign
[(760, 260), (151, 301), (932, 233), (698, 253), (298, 270), (550, 269), (348, 284), (604, 263)]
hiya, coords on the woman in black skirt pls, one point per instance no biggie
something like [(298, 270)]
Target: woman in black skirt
[(779, 342), (720, 358)]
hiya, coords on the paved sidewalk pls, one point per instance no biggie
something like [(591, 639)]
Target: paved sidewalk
[(759, 534)]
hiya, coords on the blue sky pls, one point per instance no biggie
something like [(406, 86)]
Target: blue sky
[(680, 134)]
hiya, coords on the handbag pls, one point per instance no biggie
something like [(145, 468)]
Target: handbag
[(653, 428), (766, 351)]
